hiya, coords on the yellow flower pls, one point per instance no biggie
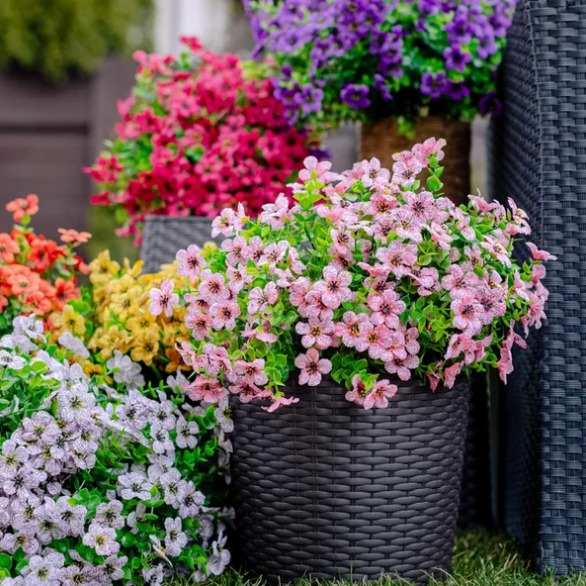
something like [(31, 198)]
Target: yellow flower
[(69, 321), (123, 304), (135, 270), (103, 268), (175, 361), (89, 368), (122, 285), (145, 348), (141, 322)]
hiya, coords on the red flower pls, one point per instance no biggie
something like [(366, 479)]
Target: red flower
[(8, 248), (22, 207)]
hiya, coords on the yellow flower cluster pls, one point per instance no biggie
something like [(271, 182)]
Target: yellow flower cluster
[(120, 317)]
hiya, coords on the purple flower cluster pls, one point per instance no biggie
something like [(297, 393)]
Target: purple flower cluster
[(364, 53)]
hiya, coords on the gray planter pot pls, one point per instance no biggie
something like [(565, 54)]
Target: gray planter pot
[(164, 236)]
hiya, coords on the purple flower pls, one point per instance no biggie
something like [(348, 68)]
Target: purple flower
[(434, 86), (489, 104), (456, 58), (486, 46), (356, 96), (312, 98), (381, 86), (457, 90)]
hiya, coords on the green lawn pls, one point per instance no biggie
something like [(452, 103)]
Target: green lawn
[(480, 559)]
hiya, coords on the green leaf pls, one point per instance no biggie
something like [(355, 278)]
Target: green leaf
[(5, 561), (128, 540), (434, 184)]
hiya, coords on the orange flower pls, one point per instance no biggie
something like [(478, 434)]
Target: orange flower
[(5, 288), (38, 303), (43, 253), (22, 207), (64, 291), (23, 283), (8, 248), (3, 302), (73, 236)]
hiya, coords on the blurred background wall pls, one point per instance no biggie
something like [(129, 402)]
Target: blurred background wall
[(58, 98)]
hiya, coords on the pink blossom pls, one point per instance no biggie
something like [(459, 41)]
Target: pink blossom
[(440, 235), (190, 262), (187, 353), (259, 298), (480, 204), (387, 308), (237, 249), (411, 343), (334, 288), (296, 265), (280, 402), (212, 287), (467, 312), (247, 392), (540, 254), (224, 315), (199, 324), (343, 240), (380, 394), (298, 290), (312, 367), (407, 226), (163, 299), (458, 279), (421, 205), (372, 170), (251, 372), (519, 218), (461, 343), (317, 171), (491, 301), (275, 214), (315, 332), (426, 278), (204, 388), (352, 328), (402, 368), (224, 223), (358, 393), (405, 171), (273, 253), (434, 380), (429, 147), (237, 278), (375, 339), (398, 257), (505, 363), (451, 373), (260, 331), (255, 248), (496, 248)]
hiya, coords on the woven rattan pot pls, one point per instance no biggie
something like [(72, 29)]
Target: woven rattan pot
[(383, 139), (164, 236), (324, 488)]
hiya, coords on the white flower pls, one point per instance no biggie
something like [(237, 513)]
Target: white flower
[(126, 371), (175, 540), (9, 360), (102, 539), (75, 345), (220, 557)]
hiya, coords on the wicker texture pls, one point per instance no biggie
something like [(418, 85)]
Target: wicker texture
[(324, 488), (165, 235), (382, 140), (539, 159)]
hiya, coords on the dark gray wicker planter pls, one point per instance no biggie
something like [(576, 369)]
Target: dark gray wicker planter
[(324, 488), (164, 236)]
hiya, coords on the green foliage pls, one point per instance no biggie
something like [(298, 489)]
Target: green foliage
[(60, 39)]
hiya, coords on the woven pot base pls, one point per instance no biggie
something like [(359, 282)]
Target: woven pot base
[(324, 488)]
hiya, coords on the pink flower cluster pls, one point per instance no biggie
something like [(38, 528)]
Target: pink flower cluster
[(199, 134), (370, 278)]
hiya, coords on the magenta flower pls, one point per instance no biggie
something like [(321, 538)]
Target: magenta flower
[(334, 288), (380, 394), (163, 299), (251, 372), (224, 315), (312, 367), (316, 333), (190, 262), (467, 312)]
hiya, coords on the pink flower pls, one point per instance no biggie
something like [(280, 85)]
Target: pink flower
[(358, 393), (459, 279), (317, 171), (224, 223), (205, 389), (280, 402), (315, 332), (434, 380), (251, 372), (491, 301), (237, 278), (380, 394), (411, 343), (497, 248), (402, 368), (190, 262), (519, 218), (273, 253), (398, 257), (540, 254), (199, 324), (505, 363), (334, 288), (343, 240), (451, 373), (352, 329), (224, 315), (376, 339), (407, 226), (426, 278), (260, 298), (237, 249), (406, 171), (468, 312), (163, 299), (275, 214), (255, 248), (421, 205), (312, 367), (212, 287), (373, 170)]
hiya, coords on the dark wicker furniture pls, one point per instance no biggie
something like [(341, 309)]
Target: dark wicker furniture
[(324, 488), (539, 159)]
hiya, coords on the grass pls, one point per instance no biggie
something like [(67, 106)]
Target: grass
[(480, 559)]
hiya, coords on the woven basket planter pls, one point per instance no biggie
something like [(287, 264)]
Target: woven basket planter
[(165, 235), (382, 140), (324, 488)]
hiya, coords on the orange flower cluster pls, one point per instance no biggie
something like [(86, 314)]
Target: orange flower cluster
[(37, 275)]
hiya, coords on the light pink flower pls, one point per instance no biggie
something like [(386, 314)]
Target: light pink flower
[(451, 373), (204, 388), (358, 393), (519, 218), (315, 332), (373, 170), (334, 288), (402, 368), (540, 254), (459, 279), (237, 249), (380, 394), (212, 287), (421, 205), (237, 278), (315, 307), (163, 299), (407, 227), (255, 248), (498, 249), (505, 363), (251, 372), (351, 329), (273, 253), (467, 312), (405, 171), (411, 343), (312, 367), (275, 214), (317, 171), (199, 324), (224, 223), (224, 315), (398, 257), (259, 298), (343, 240), (280, 402), (375, 339), (491, 301), (190, 262), (426, 278)]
